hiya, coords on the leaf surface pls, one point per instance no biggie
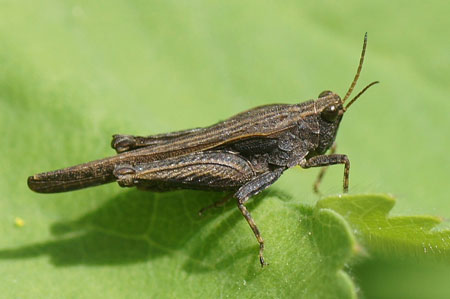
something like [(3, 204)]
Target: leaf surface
[(72, 73), (385, 235)]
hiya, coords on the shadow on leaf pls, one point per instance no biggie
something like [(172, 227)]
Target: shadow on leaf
[(139, 226)]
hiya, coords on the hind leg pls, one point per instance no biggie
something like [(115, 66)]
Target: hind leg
[(211, 170)]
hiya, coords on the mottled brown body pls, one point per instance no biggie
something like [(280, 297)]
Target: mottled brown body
[(244, 154)]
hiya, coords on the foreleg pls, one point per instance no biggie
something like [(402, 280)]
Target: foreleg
[(322, 172), (327, 160)]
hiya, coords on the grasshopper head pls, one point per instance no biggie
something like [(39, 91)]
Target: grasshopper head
[(330, 108)]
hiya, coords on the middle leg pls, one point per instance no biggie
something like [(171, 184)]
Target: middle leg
[(251, 188)]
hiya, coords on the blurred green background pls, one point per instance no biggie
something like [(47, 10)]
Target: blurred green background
[(72, 73)]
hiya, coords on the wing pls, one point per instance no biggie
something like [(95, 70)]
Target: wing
[(263, 121), (123, 143)]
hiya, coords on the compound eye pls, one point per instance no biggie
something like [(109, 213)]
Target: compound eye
[(325, 93), (330, 113)]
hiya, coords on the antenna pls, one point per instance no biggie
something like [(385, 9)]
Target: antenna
[(360, 93), (361, 60)]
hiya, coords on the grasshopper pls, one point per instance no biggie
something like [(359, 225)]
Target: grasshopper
[(244, 154)]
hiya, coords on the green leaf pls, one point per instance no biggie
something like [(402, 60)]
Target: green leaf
[(408, 256), (400, 236), (72, 73), (161, 240)]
